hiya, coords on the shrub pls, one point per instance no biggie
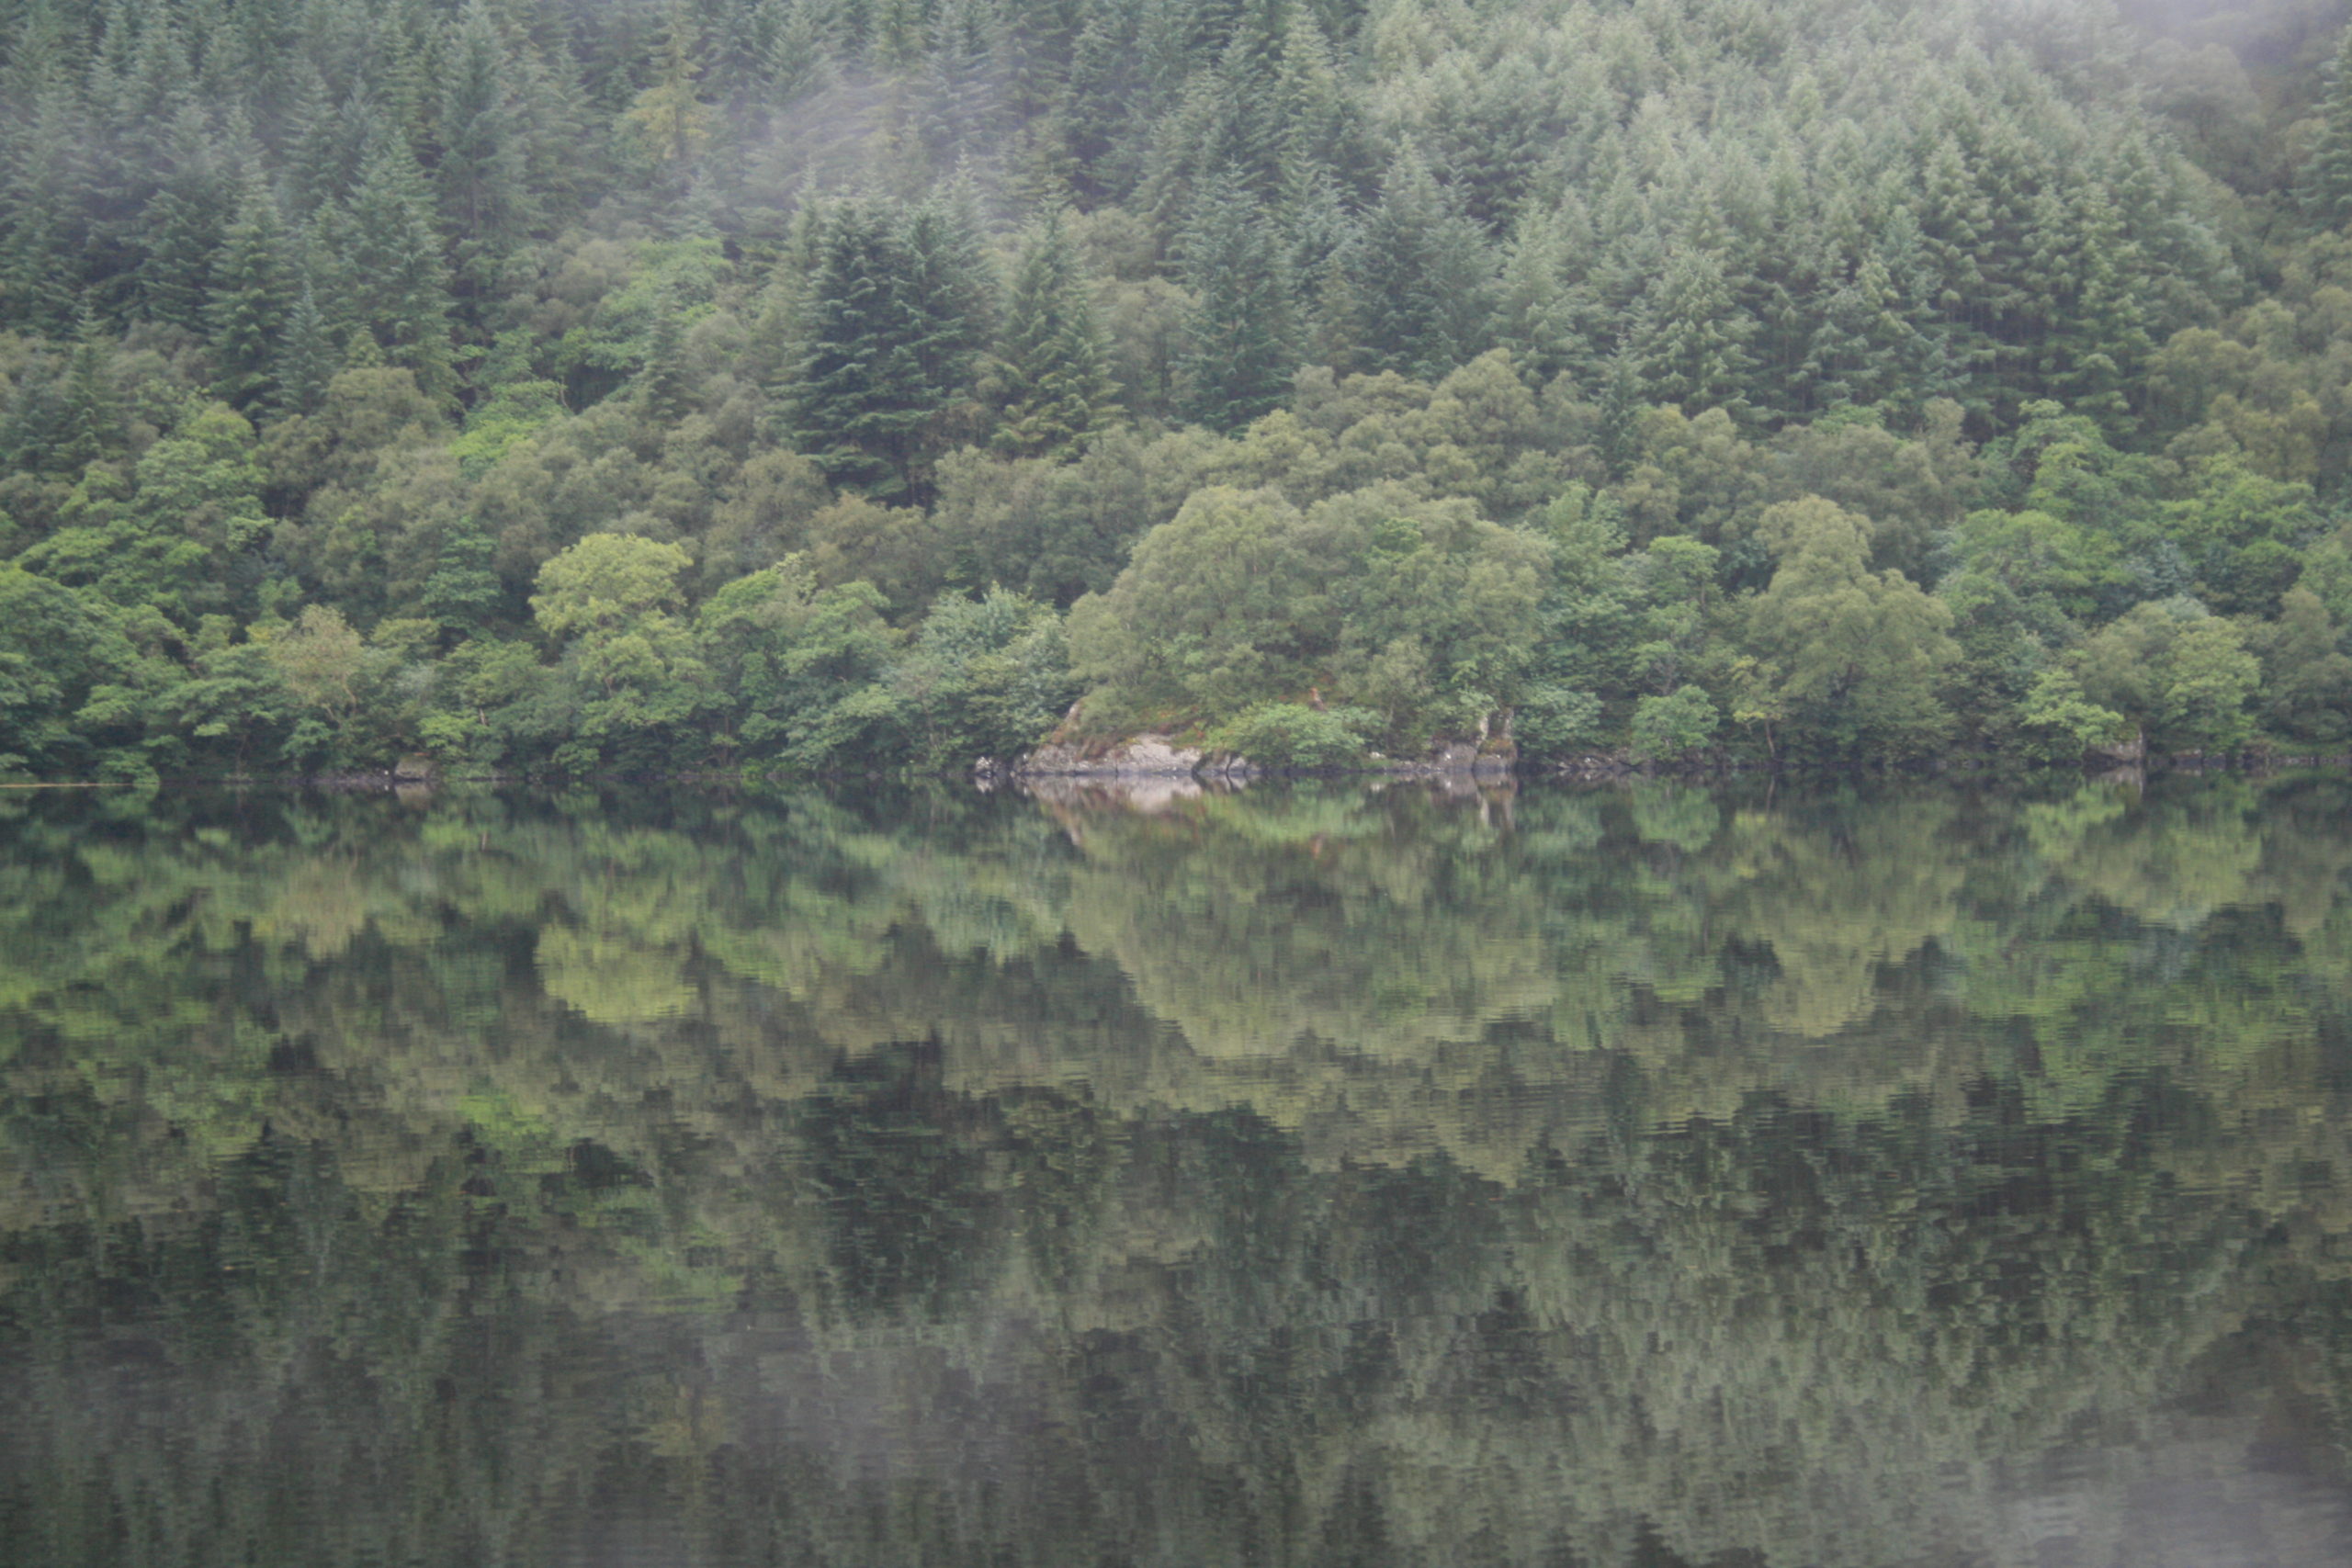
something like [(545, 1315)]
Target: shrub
[(1291, 735), (1553, 719), (1669, 725)]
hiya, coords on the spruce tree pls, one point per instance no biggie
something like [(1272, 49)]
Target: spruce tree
[(1242, 353), (481, 176), (1056, 389), (2326, 184), (400, 283), (253, 294), (1689, 338), (45, 196), (184, 223), (306, 356), (960, 115), (1423, 277), (887, 339), (793, 60), (951, 291)]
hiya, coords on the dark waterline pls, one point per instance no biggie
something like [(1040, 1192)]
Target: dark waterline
[(1634, 1176)]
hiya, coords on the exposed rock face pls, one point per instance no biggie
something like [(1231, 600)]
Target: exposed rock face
[(1145, 756), (1155, 757)]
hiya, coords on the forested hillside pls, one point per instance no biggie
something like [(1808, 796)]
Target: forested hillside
[(820, 384)]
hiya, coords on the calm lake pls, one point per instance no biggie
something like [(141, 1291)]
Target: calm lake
[(1321, 1176)]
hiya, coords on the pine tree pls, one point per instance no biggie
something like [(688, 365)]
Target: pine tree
[(1243, 353), (2326, 184), (1541, 316), (306, 356), (951, 291), (1098, 104), (184, 223), (670, 114), (962, 112), (1689, 338), (1862, 346), (793, 60), (252, 296), (1423, 277), (44, 202), (1058, 390), (481, 177), (399, 281), (91, 427), (886, 347)]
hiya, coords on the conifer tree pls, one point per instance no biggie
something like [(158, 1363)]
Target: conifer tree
[(1243, 353), (399, 281), (1423, 277), (1097, 103), (1056, 389), (2326, 184), (252, 296), (887, 330), (481, 176), (951, 290), (1690, 337), (44, 194), (306, 358), (961, 113), (184, 223), (792, 50)]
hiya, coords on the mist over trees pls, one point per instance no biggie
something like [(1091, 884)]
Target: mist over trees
[(744, 382)]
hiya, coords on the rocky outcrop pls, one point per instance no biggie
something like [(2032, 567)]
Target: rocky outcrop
[(1157, 757), (1145, 756)]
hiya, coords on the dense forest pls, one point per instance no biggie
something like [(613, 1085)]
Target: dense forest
[(584, 385)]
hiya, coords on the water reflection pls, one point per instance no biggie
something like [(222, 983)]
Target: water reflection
[(1313, 1177)]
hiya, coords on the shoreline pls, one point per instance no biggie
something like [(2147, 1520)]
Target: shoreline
[(1180, 771)]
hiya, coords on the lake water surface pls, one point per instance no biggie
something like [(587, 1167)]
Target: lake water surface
[(1645, 1176)]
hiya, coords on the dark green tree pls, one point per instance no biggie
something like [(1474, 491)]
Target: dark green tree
[(254, 296), (2326, 186), (888, 328), (1423, 277), (1056, 388), (1242, 350), (481, 175), (399, 278)]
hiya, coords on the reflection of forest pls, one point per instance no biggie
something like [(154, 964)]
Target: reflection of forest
[(1633, 1177)]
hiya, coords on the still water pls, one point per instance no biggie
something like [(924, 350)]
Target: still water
[(1313, 1177)]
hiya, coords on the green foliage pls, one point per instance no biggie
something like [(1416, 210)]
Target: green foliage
[(2062, 723), (1293, 736), (1860, 654), (1055, 390), (1421, 613), (384, 316), (1552, 720), (1671, 725), (2181, 674)]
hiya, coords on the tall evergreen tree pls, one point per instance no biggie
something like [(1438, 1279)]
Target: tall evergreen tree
[(306, 356), (2326, 184), (253, 293), (184, 223), (1242, 352), (1056, 388), (481, 173), (1423, 277), (1690, 337), (886, 340), (399, 280)]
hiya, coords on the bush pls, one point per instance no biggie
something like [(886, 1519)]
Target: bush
[(1553, 719), (1668, 727), (1290, 735)]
